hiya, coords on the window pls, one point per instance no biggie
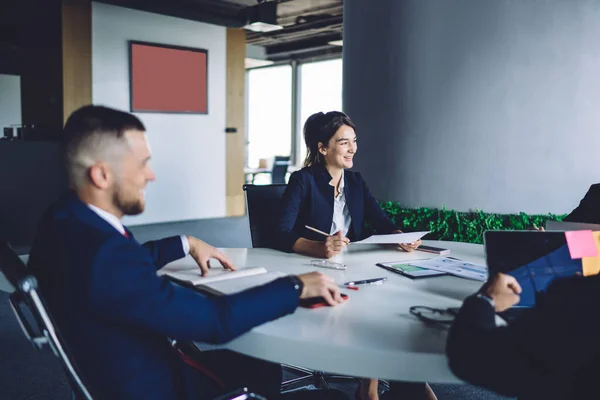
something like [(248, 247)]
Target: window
[(320, 90), (271, 109), (269, 113)]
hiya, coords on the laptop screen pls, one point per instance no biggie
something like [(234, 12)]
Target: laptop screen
[(534, 258)]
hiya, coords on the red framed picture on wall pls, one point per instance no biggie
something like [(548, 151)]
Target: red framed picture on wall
[(167, 79)]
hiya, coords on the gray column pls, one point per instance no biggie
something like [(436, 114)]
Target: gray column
[(487, 104)]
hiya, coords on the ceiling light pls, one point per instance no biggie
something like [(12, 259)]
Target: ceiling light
[(336, 42), (262, 27), (255, 62), (262, 17)]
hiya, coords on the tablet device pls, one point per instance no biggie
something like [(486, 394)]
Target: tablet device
[(404, 268)]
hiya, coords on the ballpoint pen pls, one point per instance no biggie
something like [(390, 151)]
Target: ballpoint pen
[(316, 230), (366, 282)]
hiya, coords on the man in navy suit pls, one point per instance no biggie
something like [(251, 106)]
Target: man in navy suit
[(100, 284)]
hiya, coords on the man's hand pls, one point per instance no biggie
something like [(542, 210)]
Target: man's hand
[(317, 284), (334, 244), (535, 228), (408, 246), (504, 290), (202, 252)]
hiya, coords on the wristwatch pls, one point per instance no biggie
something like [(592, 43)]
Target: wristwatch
[(297, 282), (488, 299)]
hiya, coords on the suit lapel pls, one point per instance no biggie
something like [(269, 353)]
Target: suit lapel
[(324, 216), (352, 202)]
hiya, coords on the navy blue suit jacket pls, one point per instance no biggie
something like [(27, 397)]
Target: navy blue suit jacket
[(308, 200), (115, 314)]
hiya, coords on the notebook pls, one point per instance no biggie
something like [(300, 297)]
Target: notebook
[(220, 281)]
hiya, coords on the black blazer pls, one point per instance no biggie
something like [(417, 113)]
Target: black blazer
[(588, 210), (308, 200), (550, 352)]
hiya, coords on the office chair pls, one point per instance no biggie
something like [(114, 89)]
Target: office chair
[(241, 394), (263, 203), (280, 167), (38, 328), (33, 318)]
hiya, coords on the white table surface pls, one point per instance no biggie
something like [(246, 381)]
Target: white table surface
[(372, 334)]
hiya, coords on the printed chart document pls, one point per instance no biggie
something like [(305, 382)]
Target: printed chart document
[(392, 238), (454, 267), (220, 281)]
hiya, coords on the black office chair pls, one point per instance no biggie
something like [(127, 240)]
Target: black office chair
[(241, 394), (280, 167), (263, 203), (33, 318), (38, 328)]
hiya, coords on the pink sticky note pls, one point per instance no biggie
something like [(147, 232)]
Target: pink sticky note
[(581, 244)]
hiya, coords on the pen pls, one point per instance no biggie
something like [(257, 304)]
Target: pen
[(316, 230), (365, 281)]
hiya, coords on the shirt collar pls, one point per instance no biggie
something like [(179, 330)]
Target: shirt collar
[(342, 183), (108, 217)]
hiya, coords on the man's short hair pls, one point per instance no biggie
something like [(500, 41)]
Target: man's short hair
[(93, 134)]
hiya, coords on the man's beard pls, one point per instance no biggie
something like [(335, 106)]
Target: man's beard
[(125, 205)]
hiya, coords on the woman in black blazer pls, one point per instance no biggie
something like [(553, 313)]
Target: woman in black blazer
[(326, 196)]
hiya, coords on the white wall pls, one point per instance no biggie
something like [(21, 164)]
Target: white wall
[(10, 101), (487, 104), (188, 151)]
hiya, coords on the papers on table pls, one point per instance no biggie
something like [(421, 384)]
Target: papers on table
[(454, 267), (192, 274), (393, 238), (220, 281), (231, 286)]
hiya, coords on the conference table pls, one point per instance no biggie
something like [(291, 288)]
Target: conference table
[(372, 334)]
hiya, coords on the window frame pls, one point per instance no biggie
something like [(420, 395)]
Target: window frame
[(296, 102)]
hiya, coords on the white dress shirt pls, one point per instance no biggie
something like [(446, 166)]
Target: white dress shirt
[(341, 215), (116, 223)]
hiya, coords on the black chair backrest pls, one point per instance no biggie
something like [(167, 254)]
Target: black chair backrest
[(241, 394), (11, 265), (280, 167), (264, 204), (33, 318)]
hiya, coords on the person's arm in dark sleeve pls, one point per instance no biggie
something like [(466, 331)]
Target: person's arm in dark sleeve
[(165, 250), (290, 208), (127, 291), (485, 355), (588, 210), (374, 215)]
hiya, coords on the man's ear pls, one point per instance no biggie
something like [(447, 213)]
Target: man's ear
[(100, 175)]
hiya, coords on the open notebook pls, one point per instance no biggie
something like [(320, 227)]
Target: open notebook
[(220, 281)]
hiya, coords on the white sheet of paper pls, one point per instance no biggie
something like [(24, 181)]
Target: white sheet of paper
[(392, 238), (231, 286), (459, 268), (192, 274)]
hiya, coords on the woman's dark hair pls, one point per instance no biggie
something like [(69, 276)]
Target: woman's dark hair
[(320, 128)]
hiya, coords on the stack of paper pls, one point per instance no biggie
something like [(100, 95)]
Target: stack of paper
[(220, 281), (393, 238), (455, 267)]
